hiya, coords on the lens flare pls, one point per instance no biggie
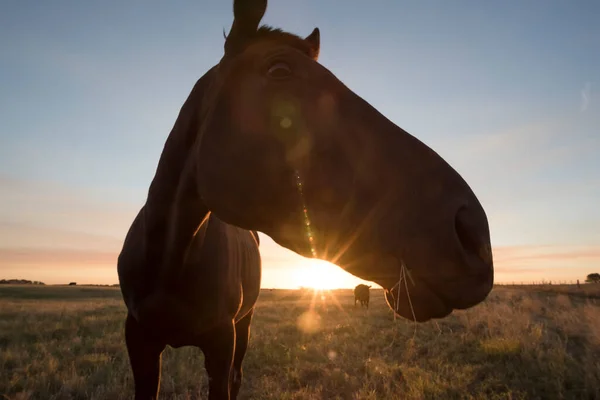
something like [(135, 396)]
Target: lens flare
[(307, 224)]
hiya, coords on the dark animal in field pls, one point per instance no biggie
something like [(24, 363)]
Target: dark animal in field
[(362, 294), (269, 140)]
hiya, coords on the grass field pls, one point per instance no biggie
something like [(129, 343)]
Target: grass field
[(522, 343)]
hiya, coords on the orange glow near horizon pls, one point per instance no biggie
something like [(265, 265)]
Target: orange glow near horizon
[(55, 263), (321, 275)]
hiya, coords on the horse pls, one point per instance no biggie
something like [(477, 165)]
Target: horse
[(271, 141), (362, 294)]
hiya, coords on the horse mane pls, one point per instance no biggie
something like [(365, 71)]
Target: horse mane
[(267, 32), (271, 30)]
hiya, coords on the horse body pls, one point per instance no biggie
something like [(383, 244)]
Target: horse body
[(210, 302), (211, 305)]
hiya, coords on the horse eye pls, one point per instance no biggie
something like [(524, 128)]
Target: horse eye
[(279, 70)]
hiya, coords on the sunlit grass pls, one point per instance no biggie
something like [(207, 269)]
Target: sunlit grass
[(67, 343)]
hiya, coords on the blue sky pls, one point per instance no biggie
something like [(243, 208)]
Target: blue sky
[(506, 91)]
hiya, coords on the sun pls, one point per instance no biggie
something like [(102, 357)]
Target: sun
[(322, 275)]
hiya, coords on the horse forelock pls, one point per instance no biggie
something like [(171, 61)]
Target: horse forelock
[(278, 35)]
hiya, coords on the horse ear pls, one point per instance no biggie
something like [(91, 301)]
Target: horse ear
[(246, 17), (248, 13), (314, 40)]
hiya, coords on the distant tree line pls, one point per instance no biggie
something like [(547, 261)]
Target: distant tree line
[(593, 278), (28, 282), (20, 282), (93, 284)]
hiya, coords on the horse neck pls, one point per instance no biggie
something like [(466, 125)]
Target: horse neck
[(176, 151)]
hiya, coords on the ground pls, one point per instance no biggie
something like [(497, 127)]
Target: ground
[(522, 343)]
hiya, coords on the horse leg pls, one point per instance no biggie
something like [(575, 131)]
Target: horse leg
[(144, 357), (242, 334), (218, 347)]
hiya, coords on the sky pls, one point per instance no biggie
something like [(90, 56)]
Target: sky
[(507, 92)]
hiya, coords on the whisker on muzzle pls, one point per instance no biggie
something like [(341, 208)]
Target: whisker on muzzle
[(402, 278), (404, 273)]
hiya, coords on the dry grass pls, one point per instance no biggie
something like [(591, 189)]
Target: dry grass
[(67, 343), (585, 290)]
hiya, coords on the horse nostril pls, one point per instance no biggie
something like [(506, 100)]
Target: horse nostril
[(472, 233)]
